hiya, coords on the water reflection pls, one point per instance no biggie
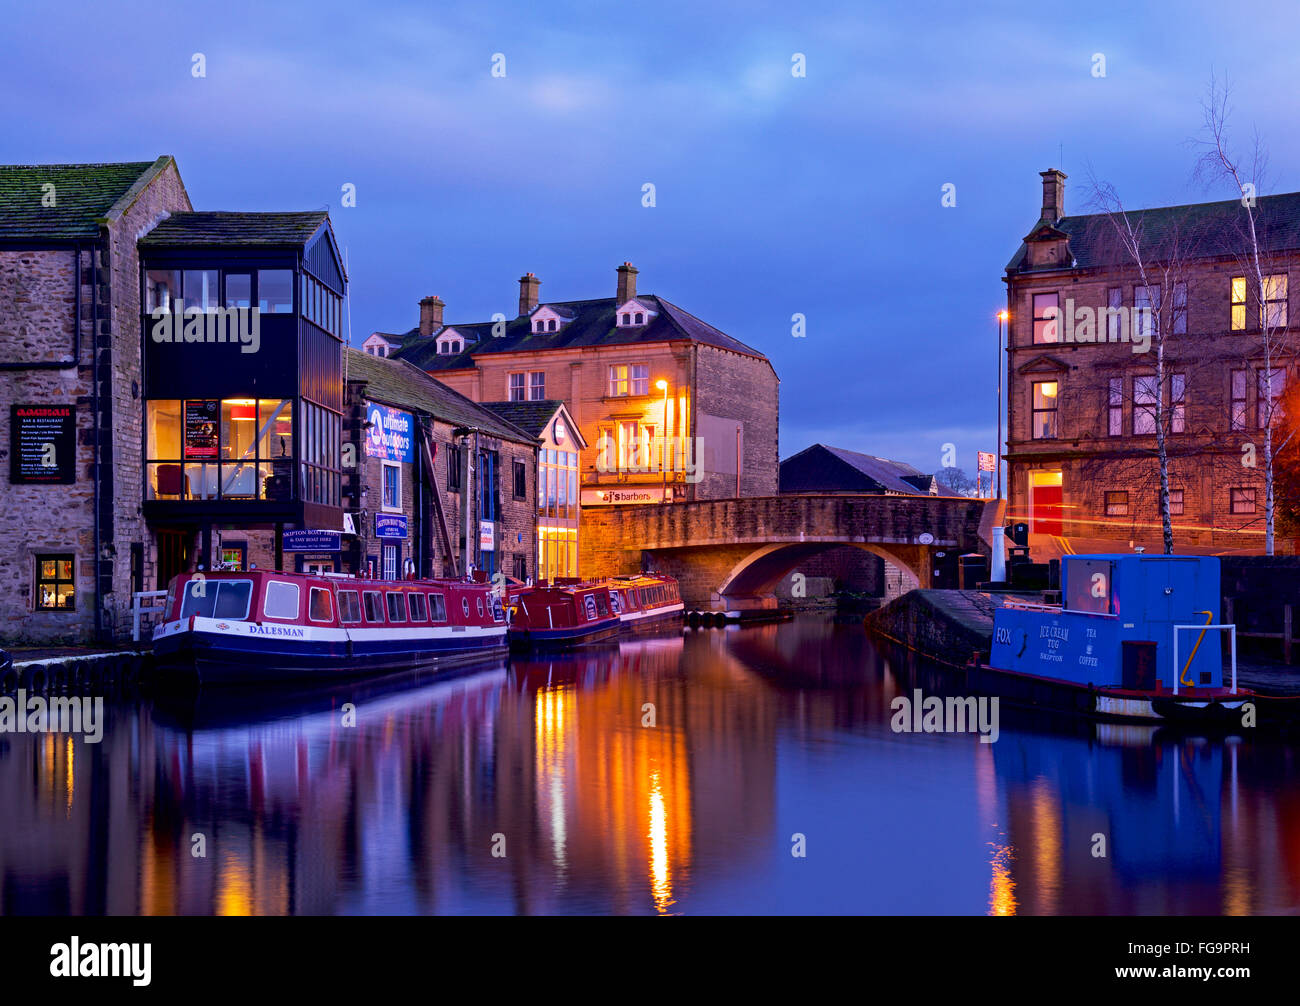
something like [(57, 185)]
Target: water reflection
[(663, 775)]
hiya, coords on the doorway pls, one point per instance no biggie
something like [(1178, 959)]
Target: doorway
[(1046, 502), (173, 555)]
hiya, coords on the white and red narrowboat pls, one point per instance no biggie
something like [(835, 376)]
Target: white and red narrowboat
[(646, 600), (561, 615), (265, 625)]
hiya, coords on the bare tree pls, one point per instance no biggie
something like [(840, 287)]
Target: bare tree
[(1158, 249), (1265, 293)]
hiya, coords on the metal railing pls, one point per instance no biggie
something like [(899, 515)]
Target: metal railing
[(137, 609)]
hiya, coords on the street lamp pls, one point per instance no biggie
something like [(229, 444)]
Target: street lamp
[(997, 457), (662, 385)]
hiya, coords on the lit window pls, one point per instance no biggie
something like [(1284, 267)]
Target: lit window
[(1117, 504), (1238, 303), (1044, 410), (1243, 500), (55, 590)]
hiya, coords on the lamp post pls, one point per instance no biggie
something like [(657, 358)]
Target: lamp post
[(662, 385), (997, 457)]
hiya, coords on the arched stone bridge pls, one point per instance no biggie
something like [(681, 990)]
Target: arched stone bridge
[(730, 554)]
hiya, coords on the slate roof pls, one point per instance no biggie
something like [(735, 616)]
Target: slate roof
[(530, 416), (403, 385), (83, 194), (1199, 229), (593, 325), (833, 469), (224, 228)]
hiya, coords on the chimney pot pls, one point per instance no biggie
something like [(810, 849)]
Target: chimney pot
[(528, 285), (626, 282), (1053, 195), (431, 314)]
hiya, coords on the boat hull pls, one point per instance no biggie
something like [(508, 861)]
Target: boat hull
[(1203, 706), (653, 620), (228, 652), (564, 638)]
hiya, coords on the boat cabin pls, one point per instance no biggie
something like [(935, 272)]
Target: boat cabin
[(1109, 599)]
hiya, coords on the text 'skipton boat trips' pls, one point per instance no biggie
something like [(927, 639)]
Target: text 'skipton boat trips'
[(1134, 638), (266, 625)]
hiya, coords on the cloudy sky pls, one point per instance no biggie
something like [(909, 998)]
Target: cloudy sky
[(775, 194)]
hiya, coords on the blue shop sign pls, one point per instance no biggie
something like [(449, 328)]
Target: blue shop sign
[(391, 434), (310, 541), (390, 525)]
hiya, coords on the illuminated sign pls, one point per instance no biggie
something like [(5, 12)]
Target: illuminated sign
[(390, 434)]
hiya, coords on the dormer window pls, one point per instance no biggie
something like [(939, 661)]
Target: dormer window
[(640, 318), (634, 312), (627, 318), (550, 326), (539, 326), (450, 342)]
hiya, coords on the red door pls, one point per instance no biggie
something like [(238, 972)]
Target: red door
[(1045, 510)]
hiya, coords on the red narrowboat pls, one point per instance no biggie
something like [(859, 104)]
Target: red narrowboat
[(647, 600), (266, 625), (561, 615)]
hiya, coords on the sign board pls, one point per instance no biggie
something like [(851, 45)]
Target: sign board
[(391, 435), (985, 462), (43, 444), (487, 538), (390, 525), (349, 525), (311, 541), (623, 494), (202, 417)]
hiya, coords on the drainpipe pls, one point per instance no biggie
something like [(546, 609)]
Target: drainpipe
[(94, 406)]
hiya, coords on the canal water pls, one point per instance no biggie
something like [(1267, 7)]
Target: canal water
[(670, 774)]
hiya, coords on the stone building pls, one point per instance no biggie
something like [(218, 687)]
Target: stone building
[(559, 509), (412, 438), (75, 544), (1081, 384), (670, 408)]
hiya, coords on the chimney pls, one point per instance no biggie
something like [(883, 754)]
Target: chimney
[(626, 282), (431, 314), (1053, 195), (528, 284)]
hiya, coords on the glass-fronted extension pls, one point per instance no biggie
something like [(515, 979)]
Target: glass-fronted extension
[(557, 513), (243, 386)]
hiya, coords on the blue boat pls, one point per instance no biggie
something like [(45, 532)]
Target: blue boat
[(1135, 637)]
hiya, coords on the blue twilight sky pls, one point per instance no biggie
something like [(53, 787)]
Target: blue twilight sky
[(775, 194)]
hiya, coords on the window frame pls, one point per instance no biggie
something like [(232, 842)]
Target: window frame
[(1232, 500), (38, 580), (1040, 321), (266, 600), (329, 598), (1111, 504), (1035, 411)]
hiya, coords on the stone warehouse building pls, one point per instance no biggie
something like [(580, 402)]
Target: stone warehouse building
[(670, 408), (1082, 388), (75, 543), (412, 438)]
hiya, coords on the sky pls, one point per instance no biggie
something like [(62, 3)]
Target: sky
[(775, 194)]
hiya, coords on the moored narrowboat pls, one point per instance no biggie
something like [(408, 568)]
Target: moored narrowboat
[(266, 625), (561, 615), (645, 600), (1135, 637)]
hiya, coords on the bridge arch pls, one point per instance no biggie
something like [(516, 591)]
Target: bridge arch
[(758, 573)]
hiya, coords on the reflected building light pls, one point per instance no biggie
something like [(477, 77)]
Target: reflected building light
[(1002, 888), (234, 895), (69, 758), (1047, 845), (552, 716), (660, 877)]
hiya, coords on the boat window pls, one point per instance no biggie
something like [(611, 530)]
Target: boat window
[(217, 599), (616, 602), (437, 608), (349, 606), (281, 600), (601, 606), (1088, 585), (396, 606), (374, 610), (418, 612), (479, 601), (320, 608), (464, 604)]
